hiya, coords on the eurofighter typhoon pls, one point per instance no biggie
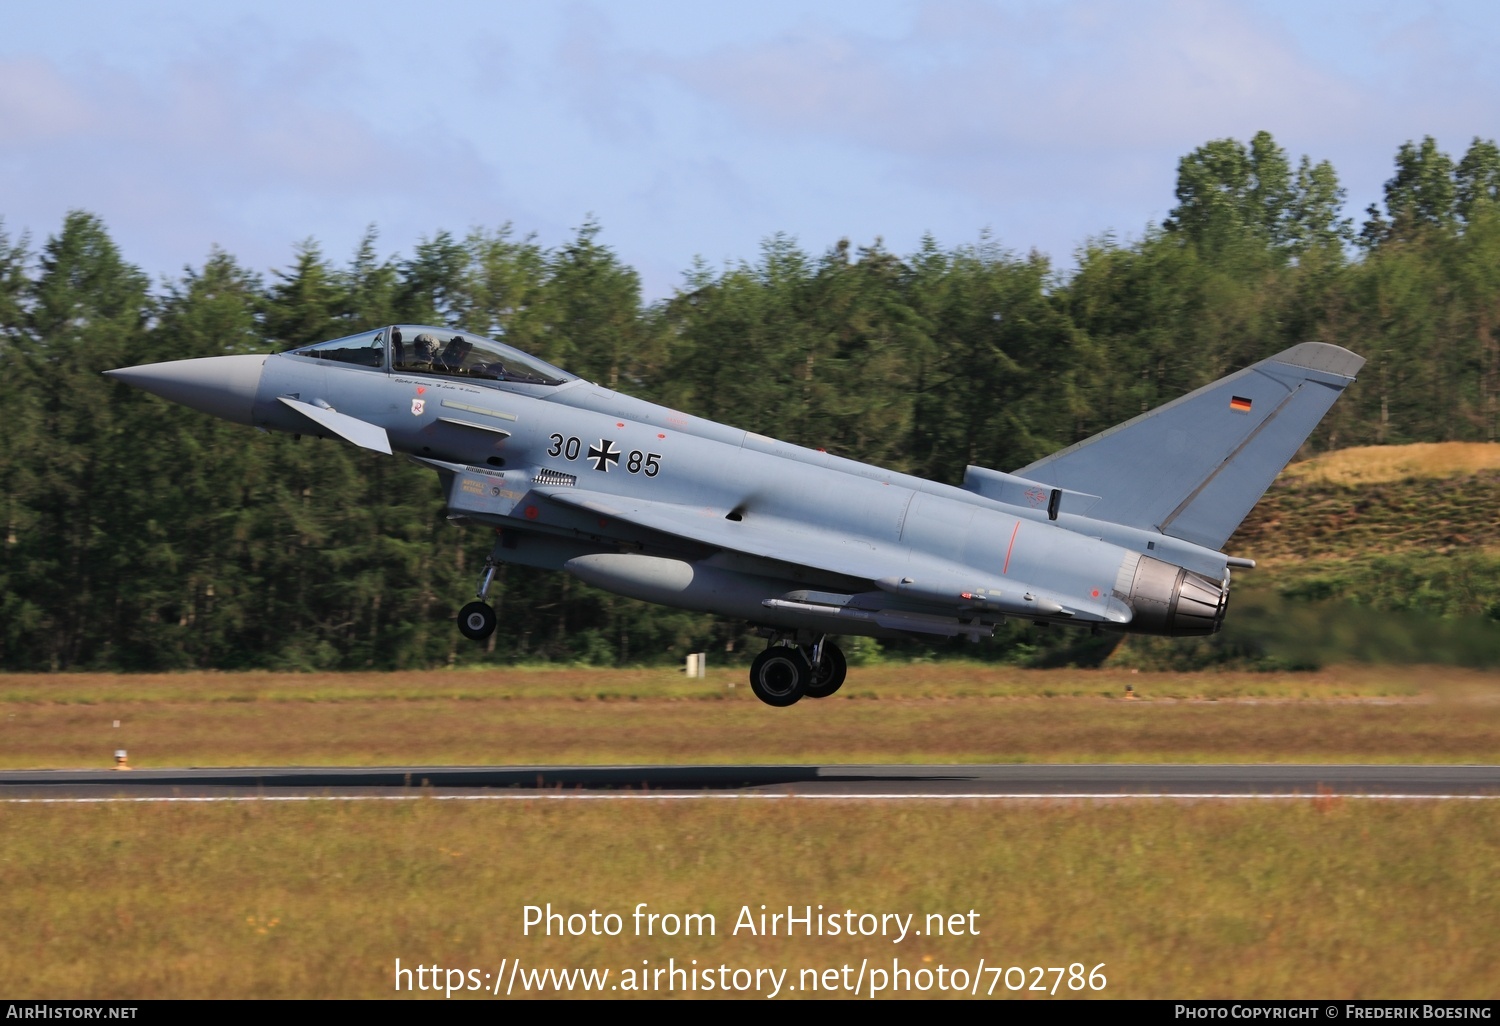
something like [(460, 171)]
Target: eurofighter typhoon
[(1120, 532)]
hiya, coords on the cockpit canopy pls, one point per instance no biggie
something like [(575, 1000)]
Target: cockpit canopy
[(425, 349)]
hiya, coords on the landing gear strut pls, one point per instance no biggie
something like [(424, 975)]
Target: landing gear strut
[(786, 673), (828, 667), (476, 621)]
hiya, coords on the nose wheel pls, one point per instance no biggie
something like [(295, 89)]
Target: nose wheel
[(476, 621)]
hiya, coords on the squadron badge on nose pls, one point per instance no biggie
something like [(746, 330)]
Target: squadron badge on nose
[(417, 406)]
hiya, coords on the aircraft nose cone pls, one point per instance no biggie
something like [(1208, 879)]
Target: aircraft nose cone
[(221, 385)]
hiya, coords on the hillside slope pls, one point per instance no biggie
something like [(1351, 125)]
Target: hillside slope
[(1378, 500), (1394, 528), (1380, 554)]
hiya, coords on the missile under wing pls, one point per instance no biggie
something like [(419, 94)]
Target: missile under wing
[(1119, 532)]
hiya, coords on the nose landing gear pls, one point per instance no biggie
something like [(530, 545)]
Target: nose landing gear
[(476, 621), (787, 672)]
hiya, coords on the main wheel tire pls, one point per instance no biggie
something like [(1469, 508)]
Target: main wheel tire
[(830, 674), (779, 675), (476, 621)]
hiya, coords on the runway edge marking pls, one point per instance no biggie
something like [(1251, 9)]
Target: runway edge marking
[(657, 797)]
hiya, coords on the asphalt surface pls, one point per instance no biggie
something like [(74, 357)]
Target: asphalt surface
[(985, 781)]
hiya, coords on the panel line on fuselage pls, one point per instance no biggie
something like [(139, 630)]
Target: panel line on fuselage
[(467, 408)]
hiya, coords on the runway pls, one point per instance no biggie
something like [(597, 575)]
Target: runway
[(1096, 781)]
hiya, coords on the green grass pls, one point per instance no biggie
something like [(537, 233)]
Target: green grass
[(1322, 898)]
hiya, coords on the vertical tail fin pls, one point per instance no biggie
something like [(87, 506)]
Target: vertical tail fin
[(1194, 467)]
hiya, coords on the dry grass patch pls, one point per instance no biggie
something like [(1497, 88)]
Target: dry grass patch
[(885, 681), (1378, 464), (1320, 898), (887, 714)]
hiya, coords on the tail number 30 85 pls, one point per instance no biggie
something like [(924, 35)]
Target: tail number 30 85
[(636, 461)]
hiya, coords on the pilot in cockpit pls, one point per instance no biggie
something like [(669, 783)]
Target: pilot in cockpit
[(426, 351)]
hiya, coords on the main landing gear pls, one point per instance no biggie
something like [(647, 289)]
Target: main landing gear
[(787, 672), (476, 621)]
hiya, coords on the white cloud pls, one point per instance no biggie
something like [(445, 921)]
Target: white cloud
[(689, 129), (1066, 120), (216, 151), (971, 80), (37, 104), (599, 83)]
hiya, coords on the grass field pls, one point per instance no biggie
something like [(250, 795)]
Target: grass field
[(1321, 898), (921, 713)]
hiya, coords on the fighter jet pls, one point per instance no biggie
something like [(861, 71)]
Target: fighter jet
[(1119, 532)]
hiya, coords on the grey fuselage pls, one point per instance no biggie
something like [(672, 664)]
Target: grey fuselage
[(1114, 532), (777, 534)]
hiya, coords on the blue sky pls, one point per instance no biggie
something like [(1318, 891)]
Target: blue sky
[(697, 129)]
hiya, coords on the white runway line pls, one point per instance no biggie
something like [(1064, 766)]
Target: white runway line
[(647, 796)]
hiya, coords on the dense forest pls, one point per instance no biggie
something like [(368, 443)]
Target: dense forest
[(141, 535)]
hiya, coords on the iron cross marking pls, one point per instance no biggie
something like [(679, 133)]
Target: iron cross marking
[(604, 454)]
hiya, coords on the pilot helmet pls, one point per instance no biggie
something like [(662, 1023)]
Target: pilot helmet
[(427, 345)]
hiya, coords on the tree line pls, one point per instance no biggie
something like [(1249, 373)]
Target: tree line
[(140, 535)]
